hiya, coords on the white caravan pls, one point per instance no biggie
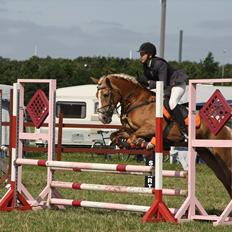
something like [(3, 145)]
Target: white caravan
[(78, 105)]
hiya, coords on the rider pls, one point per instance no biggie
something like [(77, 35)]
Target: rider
[(158, 69)]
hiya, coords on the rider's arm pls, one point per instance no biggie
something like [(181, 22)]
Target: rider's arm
[(163, 72)]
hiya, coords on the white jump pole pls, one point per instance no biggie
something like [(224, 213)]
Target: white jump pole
[(165, 173), (115, 188)]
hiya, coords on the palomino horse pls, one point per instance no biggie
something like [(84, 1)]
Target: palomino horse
[(138, 121)]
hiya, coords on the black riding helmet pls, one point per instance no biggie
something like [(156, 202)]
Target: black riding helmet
[(148, 48)]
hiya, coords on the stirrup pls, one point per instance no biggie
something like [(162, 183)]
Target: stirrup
[(184, 135)]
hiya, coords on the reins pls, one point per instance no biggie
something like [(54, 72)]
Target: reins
[(130, 106)]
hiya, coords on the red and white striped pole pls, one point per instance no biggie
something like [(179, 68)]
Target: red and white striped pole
[(10, 195), (14, 132), (159, 140), (13, 198), (158, 210)]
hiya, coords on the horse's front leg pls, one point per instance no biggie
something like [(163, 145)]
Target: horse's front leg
[(122, 133), (120, 137)]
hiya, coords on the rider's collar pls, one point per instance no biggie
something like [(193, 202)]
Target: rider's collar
[(149, 63)]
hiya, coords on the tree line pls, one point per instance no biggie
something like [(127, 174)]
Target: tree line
[(71, 72)]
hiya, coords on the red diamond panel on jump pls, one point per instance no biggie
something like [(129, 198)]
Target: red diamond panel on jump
[(216, 112), (37, 108)]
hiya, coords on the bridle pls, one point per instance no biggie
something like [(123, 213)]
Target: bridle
[(111, 106)]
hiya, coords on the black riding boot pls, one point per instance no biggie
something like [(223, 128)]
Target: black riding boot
[(178, 117)]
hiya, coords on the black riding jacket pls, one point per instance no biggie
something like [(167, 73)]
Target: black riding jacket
[(158, 69)]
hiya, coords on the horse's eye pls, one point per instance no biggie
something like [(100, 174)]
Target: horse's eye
[(106, 95)]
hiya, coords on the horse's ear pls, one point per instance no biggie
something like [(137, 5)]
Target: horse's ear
[(95, 80), (108, 83)]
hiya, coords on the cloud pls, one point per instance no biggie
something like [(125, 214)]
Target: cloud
[(216, 24), (100, 23), (197, 47), (3, 10), (18, 39)]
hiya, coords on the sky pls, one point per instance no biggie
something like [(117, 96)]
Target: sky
[(73, 28)]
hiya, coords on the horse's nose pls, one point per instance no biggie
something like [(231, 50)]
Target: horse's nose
[(105, 118)]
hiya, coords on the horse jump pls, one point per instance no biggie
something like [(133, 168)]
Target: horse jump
[(50, 164)]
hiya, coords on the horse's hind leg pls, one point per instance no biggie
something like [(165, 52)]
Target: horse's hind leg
[(221, 170)]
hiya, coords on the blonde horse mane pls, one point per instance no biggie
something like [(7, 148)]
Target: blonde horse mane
[(122, 76)]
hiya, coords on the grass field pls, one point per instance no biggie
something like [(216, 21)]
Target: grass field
[(210, 192)]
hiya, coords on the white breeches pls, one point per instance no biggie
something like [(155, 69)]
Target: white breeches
[(176, 93)]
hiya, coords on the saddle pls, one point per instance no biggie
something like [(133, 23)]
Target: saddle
[(168, 116), (170, 121)]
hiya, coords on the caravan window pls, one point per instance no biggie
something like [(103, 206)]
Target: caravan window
[(71, 109)]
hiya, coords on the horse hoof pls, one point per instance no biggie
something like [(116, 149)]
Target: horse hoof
[(149, 146)]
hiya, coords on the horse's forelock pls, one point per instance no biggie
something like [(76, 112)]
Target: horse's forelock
[(101, 82)]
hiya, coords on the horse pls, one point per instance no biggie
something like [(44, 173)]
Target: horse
[(137, 116)]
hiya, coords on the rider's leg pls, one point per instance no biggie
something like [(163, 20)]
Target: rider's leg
[(178, 117), (176, 93)]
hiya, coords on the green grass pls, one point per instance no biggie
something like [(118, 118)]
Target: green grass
[(210, 192)]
